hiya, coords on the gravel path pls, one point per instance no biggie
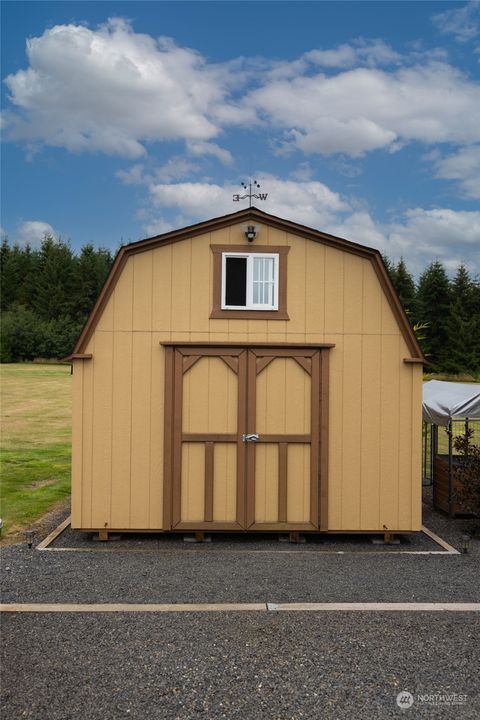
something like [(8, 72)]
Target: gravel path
[(239, 665)]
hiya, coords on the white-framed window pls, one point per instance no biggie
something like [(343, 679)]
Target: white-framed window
[(249, 281)]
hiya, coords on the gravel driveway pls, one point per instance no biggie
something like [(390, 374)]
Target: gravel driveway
[(277, 666)]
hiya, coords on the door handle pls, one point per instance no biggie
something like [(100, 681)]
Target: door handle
[(251, 437)]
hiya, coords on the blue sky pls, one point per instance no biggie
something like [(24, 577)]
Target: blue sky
[(123, 120)]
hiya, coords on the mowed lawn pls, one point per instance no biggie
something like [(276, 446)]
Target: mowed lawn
[(35, 440)]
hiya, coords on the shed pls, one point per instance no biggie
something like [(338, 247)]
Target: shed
[(247, 374)]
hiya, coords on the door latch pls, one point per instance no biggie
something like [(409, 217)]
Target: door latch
[(252, 437)]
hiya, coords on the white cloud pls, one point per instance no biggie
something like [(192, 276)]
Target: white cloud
[(311, 203), (361, 52), (366, 109), (463, 23), (463, 166), (32, 232), (112, 89), (419, 236), (205, 148)]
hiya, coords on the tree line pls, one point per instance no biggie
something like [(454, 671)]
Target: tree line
[(47, 295)]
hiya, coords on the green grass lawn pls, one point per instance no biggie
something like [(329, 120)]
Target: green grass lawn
[(35, 442)]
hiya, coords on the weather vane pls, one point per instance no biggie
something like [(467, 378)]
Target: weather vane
[(250, 194)]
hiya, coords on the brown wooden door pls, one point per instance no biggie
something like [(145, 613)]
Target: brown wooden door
[(218, 473), (283, 464)]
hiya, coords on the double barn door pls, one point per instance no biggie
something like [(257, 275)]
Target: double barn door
[(244, 430)]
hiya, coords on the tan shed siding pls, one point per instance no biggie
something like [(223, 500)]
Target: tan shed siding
[(157, 408), (102, 429), (370, 438), (121, 428), (416, 475), (165, 294), (351, 431), (77, 442)]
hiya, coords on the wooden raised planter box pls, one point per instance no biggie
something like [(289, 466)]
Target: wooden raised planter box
[(441, 495)]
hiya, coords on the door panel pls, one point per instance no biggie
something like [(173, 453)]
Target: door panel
[(243, 448), (207, 448), (283, 409)]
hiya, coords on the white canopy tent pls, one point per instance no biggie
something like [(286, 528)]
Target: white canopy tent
[(445, 401)]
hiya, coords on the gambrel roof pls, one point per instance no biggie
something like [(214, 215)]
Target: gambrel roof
[(252, 215)]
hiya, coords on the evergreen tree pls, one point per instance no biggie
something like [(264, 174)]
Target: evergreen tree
[(405, 287), (433, 303), (462, 326), (92, 267), (54, 281)]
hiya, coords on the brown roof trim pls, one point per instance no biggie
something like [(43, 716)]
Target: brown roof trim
[(249, 214), (413, 360), (77, 356)]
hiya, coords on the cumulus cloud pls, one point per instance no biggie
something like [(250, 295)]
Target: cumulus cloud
[(463, 166), (463, 23), (360, 52), (311, 203), (419, 236), (205, 148), (32, 232), (112, 89), (366, 109)]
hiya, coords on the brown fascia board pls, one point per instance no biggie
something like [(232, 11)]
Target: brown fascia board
[(249, 214)]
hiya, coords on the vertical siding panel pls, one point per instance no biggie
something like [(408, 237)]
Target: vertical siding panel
[(162, 289), (389, 322), (105, 322), (274, 236), (181, 271), (296, 288), (405, 447), (157, 385), (417, 378), (335, 437), (371, 430), (372, 300), (123, 299), (353, 294), (352, 423), (121, 429), (77, 441), (142, 291), (201, 296), (389, 443), (87, 435), (102, 430), (141, 413), (333, 291), (315, 289)]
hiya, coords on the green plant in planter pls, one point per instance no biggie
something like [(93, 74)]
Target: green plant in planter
[(467, 474)]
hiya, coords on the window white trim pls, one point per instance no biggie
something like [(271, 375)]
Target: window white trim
[(250, 257)]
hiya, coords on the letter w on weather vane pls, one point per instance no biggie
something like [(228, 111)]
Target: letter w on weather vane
[(250, 194)]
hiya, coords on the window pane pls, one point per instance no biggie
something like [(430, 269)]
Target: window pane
[(236, 281), (263, 281)]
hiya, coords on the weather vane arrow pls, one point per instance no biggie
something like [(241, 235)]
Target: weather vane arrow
[(251, 187)]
